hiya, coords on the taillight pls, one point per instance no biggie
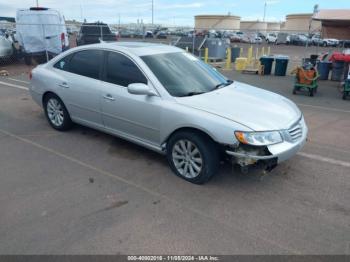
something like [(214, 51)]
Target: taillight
[(62, 40)]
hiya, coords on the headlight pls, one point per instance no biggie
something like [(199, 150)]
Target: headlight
[(259, 138)]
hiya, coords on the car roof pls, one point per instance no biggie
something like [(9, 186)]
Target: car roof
[(138, 48)]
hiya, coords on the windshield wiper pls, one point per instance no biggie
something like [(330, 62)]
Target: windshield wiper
[(228, 82), (193, 93)]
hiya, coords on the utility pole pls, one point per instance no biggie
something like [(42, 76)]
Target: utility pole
[(152, 12), (81, 13), (37, 3), (265, 11)]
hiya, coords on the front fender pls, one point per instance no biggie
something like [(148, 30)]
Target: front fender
[(177, 116)]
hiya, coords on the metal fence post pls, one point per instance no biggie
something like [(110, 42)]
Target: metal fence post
[(45, 44), (193, 40)]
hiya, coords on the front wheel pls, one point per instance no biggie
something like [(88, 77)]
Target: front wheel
[(193, 156), (56, 113)]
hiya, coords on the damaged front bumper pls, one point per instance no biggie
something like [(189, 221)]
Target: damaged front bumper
[(268, 157)]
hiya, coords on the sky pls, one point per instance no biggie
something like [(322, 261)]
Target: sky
[(175, 12)]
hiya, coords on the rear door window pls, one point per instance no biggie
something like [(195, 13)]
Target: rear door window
[(86, 63), (63, 64), (120, 70)]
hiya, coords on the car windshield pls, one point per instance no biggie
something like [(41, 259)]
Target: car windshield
[(182, 74)]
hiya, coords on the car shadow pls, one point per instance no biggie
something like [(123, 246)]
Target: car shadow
[(122, 148), (227, 175)]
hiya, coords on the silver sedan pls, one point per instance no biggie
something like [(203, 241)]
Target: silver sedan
[(169, 101), (6, 48)]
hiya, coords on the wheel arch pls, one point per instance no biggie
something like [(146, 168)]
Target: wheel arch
[(45, 94), (189, 129)]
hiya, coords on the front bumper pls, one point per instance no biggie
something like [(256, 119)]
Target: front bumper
[(278, 152)]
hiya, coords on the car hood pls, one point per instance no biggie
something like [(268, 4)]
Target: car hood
[(255, 108)]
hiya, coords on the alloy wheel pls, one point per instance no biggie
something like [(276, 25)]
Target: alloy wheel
[(187, 158), (55, 112)]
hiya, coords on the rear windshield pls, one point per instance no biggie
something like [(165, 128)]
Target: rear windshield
[(95, 29)]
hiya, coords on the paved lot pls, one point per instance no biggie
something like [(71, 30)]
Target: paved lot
[(84, 192)]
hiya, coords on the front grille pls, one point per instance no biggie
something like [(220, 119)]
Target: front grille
[(296, 132)]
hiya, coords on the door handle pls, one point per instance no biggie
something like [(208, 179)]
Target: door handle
[(109, 97), (64, 85)]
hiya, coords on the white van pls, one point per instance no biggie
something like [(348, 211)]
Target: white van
[(40, 32)]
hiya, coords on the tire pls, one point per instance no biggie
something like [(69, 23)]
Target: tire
[(56, 113), (344, 95), (202, 157), (325, 44), (294, 91)]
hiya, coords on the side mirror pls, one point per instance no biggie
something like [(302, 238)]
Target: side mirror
[(141, 89)]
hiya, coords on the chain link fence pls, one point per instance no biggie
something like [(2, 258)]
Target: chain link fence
[(31, 44)]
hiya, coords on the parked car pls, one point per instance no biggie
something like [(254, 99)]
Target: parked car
[(161, 35), (261, 35), (40, 30), (163, 98), (271, 38), (344, 43), (318, 41), (92, 33), (125, 33), (256, 40), (301, 40), (6, 47), (149, 34), (131, 34), (330, 42), (235, 38), (282, 38)]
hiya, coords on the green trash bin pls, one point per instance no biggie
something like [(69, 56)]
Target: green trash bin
[(267, 62), (281, 65)]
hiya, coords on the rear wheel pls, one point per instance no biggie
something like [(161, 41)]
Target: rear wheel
[(193, 156), (56, 113)]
